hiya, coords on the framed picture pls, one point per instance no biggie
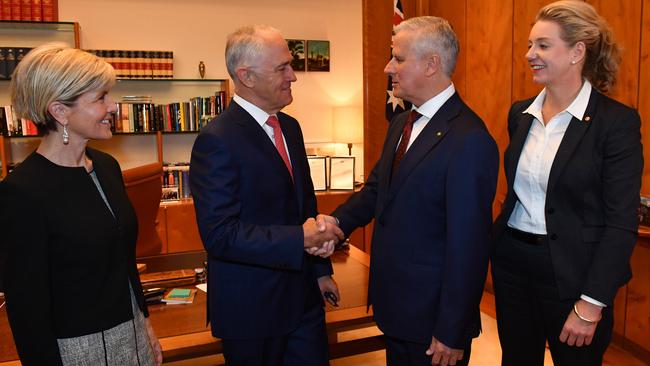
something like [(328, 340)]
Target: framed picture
[(297, 49), (170, 193), (342, 172), (318, 55), (318, 172)]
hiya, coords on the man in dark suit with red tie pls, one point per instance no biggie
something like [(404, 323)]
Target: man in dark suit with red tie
[(431, 196), (255, 204)]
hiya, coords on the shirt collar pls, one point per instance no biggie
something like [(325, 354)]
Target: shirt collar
[(258, 114), (577, 108), (431, 106)]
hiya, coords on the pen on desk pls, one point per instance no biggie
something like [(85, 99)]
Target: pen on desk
[(331, 298)]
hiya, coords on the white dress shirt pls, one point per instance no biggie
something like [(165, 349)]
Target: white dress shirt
[(428, 109), (260, 117), (535, 161)]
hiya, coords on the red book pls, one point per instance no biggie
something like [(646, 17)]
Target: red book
[(50, 10), (15, 9), (26, 10), (37, 12), (6, 9)]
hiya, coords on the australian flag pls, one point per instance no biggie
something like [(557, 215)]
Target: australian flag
[(395, 105)]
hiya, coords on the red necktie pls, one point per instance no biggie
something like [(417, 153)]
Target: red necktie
[(406, 136), (279, 141)]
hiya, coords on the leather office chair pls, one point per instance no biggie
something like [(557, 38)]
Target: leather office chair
[(144, 188)]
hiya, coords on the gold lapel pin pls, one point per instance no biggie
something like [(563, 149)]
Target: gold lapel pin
[(587, 119), (438, 133)]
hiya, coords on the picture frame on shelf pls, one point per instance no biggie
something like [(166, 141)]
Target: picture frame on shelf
[(341, 173), (297, 49), (318, 55), (317, 168), (170, 193)]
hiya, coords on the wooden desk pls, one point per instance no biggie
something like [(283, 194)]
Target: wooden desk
[(184, 334)]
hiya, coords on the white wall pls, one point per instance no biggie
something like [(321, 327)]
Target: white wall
[(196, 31)]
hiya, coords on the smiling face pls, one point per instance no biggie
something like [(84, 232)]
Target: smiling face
[(407, 69), (551, 59), (89, 117), (272, 74)]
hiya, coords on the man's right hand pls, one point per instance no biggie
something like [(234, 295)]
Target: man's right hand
[(317, 234)]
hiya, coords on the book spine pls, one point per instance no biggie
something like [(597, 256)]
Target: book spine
[(3, 122), (48, 11), (26, 10), (15, 10), (6, 9), (37, 11)]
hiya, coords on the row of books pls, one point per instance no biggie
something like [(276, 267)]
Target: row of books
[(29, 10), (139, 64), (173, 117), (176, 181), (9, 59), (11, 125)]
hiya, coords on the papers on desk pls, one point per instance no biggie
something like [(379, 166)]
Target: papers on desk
[(203, 287), (179, 296)]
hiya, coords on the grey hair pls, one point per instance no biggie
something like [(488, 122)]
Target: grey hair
[(433, 35), (245, 45)]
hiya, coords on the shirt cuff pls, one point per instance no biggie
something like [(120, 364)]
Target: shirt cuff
[(592, 301)]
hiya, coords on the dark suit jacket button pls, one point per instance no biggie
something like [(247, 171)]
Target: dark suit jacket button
[(550, 211), (553, 236)]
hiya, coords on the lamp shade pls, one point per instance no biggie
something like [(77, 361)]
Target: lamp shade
[(348, 125)]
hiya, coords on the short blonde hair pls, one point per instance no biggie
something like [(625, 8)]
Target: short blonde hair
[(580, 22), (433, 35), (55, 72)]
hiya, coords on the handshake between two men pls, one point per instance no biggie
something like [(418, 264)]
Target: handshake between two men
[(321, 235)]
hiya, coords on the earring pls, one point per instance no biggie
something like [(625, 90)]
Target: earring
[(573, 62), (66, 136)]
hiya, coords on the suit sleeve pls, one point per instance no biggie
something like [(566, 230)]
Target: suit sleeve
[(214, 181), (359, 209), (470, 188), (26, 278), (621, 181)]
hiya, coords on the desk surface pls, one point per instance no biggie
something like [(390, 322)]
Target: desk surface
[(350, 272)]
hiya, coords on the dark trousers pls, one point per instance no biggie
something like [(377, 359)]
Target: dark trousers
[(403, 353), (530, 311), (305, 346)]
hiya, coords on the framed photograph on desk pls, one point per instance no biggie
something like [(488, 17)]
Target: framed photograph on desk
[(318, 172), (342, 172)]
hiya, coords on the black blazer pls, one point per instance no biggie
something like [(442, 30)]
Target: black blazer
[(250, 217), (69, 261), (430, 242), (592, 196)]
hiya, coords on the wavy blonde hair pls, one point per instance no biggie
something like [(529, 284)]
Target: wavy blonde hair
[(580, 22), (55, 72)]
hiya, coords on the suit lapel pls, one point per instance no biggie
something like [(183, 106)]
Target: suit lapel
[(517, 145), (260, 141), (394, 133), (427, 140), (571, 140), (296, 151)]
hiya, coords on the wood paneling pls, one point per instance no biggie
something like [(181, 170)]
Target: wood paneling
[(644, 93), (525, 11), (637, 321), (624, 16), (489, 68)]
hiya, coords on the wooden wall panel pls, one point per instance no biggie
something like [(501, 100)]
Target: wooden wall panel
[(637, 328), (455, 13), (624, 16), (525, 11), (489, 69), (644, 94)]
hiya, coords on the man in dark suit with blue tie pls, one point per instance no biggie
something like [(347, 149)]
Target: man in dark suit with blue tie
[(255, 207), (431, 196)]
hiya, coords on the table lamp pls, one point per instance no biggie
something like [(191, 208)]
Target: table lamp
[(348, 126)]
